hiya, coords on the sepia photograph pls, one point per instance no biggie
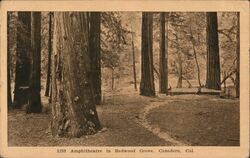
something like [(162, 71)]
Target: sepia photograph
[(128, 81)]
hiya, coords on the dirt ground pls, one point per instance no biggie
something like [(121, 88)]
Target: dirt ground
[(199, 120), (191, 119)]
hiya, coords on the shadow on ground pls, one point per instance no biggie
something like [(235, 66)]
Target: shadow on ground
[(205, 120)]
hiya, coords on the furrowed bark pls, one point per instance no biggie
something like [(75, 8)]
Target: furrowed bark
[(23, 46), (95, 54), (163, 57), (49, 56), (73, 104), (147, 87), (8, 63), (34, 99), (213, 58), (238, 57)]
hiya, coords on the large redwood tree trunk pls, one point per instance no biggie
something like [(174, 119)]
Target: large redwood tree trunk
[(8, 62), (34, 100), (163, 79), (49, 56), (238, 57), (147, 87), (95, 56), (213, 57), (23, 51), (73, 104)]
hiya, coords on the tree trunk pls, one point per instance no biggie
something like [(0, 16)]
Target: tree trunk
[(195, 55), (166, 53), (188, 82), (147, 87), (163, 79), (197, 66), (238, 57), (133, 54), (95, 56), (49, 56), (50, 94), (179, 68), (179, 83), (112, 79), (8, 63), (23, 44), (225, 82), (34, 101), (213, 58), (73, 104)]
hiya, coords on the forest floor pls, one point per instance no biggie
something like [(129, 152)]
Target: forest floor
[(134, 120)]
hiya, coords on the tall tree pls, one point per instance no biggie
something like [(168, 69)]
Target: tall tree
[(49, 56), (180, 66), (147, 87), (73, 105), (238, 57), (23, 44), (163, 79), (95, 56), (8, 62), (213, 57), (34, 100), (133, 58)]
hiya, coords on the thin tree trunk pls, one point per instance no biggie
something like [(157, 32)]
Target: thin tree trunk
[(179, 83), (23, 51), (147, 87), (213, 58), (225, 84), (95, 54), (73, 104), (227, 76), (133, 54), (166, 52), (195, 55), (238, 57), (189, 84), (112, 79), (50, 93), (197, 65), (163, 76), (49, 56), (8, 63), (34, 101), (156, 72)]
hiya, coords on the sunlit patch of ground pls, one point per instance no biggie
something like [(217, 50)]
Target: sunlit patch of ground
[(199, 120)]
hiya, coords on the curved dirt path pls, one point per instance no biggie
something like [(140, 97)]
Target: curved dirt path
[(155, 129)]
